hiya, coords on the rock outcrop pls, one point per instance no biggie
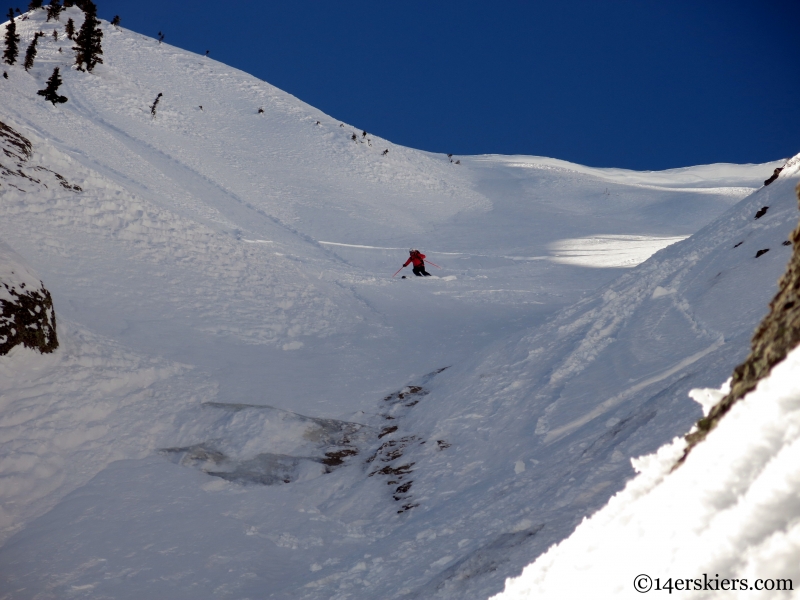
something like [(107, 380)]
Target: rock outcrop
[(774, 176), (26, 307), (19, 169)]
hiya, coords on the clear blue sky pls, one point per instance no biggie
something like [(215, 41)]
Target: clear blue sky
[(627, 83)]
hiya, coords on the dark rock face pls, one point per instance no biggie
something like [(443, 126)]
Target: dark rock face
[(776, 336), (27, 317), (26, 307), (18, 170)]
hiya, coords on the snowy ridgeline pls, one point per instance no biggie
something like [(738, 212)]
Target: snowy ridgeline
[(245, 404)]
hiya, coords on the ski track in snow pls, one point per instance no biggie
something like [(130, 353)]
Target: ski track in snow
[(234, 349)]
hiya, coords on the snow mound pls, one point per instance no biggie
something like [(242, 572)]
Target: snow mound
[(264, 445)]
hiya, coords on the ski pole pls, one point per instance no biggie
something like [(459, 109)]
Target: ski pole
[(432, 263), (400, 269)]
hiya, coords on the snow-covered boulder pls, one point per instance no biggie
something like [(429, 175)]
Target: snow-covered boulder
[(26, 307)]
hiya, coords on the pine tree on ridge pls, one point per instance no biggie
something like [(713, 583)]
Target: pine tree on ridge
[(12, 41), (54, 10), (88, 47), (69, 29)]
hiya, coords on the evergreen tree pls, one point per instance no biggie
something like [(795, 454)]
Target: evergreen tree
[(12, 40), (88, 46), (30, 53), (54, 10), (70, 29), (50, 93), (35, 4)]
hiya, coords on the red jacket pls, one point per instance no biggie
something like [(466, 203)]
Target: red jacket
[(416, 258)]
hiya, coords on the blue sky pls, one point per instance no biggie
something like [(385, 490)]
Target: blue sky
[(625, 83)]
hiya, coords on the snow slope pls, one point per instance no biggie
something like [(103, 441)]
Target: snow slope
[(727, 520), (246, 404), (549, 419)]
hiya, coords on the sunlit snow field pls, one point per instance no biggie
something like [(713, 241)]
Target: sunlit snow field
[(247, 404)]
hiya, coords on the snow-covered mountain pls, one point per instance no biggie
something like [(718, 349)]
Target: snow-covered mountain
[(245, 403)]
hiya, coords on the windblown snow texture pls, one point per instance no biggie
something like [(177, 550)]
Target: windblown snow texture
[(245, 404)]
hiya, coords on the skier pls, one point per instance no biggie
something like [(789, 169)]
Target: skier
[(418, 259)]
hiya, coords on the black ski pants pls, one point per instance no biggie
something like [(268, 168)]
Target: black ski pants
[(420, 270)]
